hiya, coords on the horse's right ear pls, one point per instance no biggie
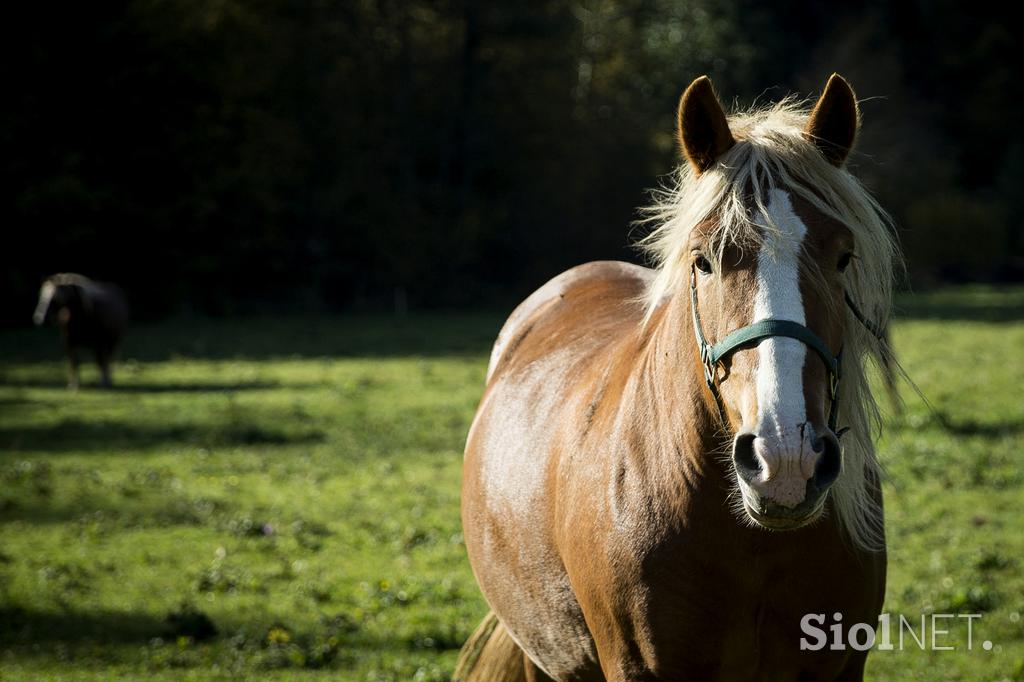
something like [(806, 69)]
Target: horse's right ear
[(704, 133)]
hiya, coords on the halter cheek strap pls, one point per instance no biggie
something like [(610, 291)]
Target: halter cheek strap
[(751, 335)]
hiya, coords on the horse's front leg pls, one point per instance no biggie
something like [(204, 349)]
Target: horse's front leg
[(72, 354)]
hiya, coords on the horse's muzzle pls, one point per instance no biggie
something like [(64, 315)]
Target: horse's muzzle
[(784, 482), (776, 517)]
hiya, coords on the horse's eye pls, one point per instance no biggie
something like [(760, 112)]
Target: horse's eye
[(703, 264), (844, 262)]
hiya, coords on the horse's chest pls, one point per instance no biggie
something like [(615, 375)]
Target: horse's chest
[(738, 615)]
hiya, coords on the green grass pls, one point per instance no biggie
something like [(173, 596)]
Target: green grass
[(955, 486), (279, 497)]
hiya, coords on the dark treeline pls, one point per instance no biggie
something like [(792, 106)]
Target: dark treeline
[(232, 156)]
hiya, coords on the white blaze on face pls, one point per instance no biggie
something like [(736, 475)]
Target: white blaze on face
[(780, 384), (45, 296)]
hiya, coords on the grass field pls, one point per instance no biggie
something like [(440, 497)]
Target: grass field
[(279, 498)]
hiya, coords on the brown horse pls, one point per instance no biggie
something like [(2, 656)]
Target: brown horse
[(89, 314), (644, 433)]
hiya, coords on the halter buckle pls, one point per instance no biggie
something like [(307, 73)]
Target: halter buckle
[(709, 366)]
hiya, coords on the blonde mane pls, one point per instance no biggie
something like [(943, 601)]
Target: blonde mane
[(773, 151)]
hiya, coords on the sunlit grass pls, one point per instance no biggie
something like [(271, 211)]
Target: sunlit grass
[(955, 488), (268, 497), (238, 516)]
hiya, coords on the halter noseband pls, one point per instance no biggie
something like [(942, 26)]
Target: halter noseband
[(751, 335)]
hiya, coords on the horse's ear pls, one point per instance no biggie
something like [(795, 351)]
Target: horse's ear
[(704, 133), (834, 121)]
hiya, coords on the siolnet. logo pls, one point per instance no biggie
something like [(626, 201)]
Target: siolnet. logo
[(934, 632)]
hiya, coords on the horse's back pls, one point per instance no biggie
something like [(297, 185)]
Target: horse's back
[(545, 363), (598, 299)]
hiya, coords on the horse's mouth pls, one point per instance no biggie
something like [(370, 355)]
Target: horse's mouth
[(784, 522)]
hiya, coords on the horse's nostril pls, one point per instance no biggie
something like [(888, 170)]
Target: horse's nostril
[(747, 463), (826, 471)]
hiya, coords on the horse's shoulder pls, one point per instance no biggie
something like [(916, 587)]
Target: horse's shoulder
[(583, 284)]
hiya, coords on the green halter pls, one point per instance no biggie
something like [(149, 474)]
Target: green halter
[(751, 335)]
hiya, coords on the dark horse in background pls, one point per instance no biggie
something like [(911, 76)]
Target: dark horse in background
[(90, 315), (654, 485)]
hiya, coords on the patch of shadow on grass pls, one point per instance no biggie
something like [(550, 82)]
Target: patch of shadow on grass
[(20, 625), (418, 334), (188, 621), (76, 434), (169, 387), (972, 427), (973, 304), (267, 337), (104, 516)]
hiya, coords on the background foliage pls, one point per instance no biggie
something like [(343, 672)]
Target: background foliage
[(237, 155)]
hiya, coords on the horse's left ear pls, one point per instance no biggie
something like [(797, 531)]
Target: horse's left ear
[(833, 123)]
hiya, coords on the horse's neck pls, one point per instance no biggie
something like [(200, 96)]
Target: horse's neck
[(681, 416)]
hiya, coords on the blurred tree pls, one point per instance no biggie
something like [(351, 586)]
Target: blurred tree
[(244, 155)]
